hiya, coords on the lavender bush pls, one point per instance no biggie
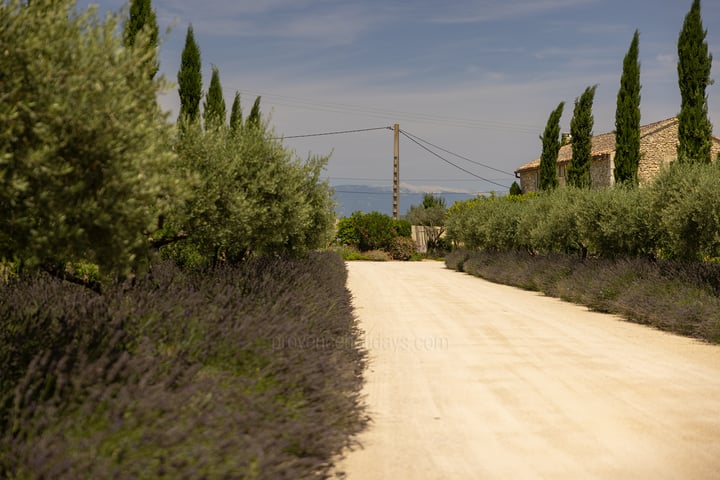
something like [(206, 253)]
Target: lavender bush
[(681, 297), (249, 371)]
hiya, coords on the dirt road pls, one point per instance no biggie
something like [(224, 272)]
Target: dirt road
[(469, 379)]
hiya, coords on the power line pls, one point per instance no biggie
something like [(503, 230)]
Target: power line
[(364, 193), (457, 155), (313, 104), (407, 193), (367, 179), (341, 132), (449, 162)]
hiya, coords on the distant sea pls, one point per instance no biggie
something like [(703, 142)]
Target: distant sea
[(364, 198)]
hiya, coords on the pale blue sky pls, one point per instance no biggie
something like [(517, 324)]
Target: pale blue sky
[(476, 77)]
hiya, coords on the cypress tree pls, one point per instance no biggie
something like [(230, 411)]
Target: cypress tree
[(515, 189), (627, 118), (236, 114), (142, 16), (581, 127), (214, 106), (190, 79), (254, 117), (694, 62), (551, 147)]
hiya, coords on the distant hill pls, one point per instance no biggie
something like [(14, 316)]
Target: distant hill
[(365, 198)]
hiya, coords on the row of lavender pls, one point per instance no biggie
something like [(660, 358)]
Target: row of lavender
[(245, 371)]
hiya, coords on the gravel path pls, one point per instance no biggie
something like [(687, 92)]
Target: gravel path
[(468, 379)]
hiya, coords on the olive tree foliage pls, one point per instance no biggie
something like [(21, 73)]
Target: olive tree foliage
[(685, 211), (676, 217), (83, 145), (253, 197)]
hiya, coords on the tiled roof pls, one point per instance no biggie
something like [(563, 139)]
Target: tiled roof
[(601, 144)]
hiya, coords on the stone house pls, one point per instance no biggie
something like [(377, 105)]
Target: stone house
[(658, 147)]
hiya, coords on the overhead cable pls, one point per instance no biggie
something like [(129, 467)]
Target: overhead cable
[(456, 155), (451, 163), (313, 104), (341, 132)]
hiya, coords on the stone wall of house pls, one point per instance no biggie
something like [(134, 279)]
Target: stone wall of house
[(656, 150), (529, 180), (601, 171)]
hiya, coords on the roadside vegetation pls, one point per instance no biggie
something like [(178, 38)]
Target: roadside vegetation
[(375, 236), (651, 253), (678, 297), (241, 371), (164, 312)]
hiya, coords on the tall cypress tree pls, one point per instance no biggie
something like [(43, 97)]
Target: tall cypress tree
[(190, 79), (581, 127), (254, 117), (236, 114), (551, 147), (627, 118), (694, 62), (142, 16), (214, 106)]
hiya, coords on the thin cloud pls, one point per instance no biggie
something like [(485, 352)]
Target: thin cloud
[(493, 10), (312, 21)]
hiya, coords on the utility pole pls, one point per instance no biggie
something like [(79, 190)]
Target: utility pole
[(396, 173)]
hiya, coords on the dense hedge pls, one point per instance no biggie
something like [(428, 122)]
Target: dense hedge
[(677, 217), (250, 371)]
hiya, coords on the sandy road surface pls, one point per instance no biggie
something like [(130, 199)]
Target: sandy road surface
[(470, 379)]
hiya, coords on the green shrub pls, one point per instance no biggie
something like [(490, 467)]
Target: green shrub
[(677, 217), (376, 231), (402, 248), (370, 231), (403, 228), (348, 232), (685, 211), (265, 202), (615, 222)]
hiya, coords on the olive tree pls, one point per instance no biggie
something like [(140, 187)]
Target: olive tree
[(84, 147), (252, 197)]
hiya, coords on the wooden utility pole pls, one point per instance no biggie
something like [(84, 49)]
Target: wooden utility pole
[(396, 173)]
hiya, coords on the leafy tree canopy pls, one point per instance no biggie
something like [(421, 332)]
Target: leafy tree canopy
[(83, 145)]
